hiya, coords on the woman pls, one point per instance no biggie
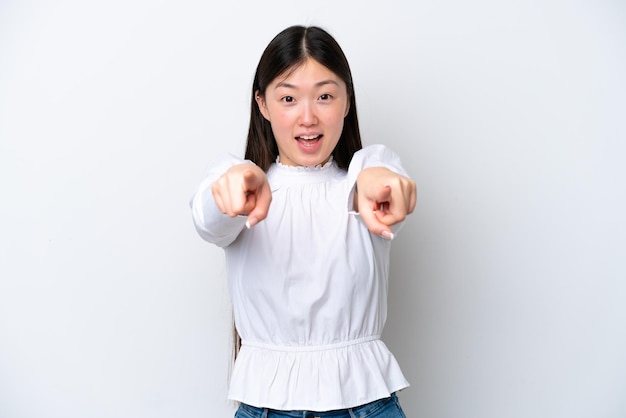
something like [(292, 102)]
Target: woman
[(306, 223)]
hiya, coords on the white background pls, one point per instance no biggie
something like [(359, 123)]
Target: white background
[(508, 293)]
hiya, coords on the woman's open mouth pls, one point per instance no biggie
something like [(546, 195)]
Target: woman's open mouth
[(309, 140)]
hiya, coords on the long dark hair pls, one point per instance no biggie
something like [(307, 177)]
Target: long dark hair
[(287, 50)]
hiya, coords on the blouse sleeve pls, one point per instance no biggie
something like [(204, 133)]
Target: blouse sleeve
[(212, 225)]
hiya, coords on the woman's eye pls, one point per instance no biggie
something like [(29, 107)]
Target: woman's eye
[(325, 97), (288, 99)]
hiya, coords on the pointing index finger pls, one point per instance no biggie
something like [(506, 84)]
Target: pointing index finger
[(250, 181)]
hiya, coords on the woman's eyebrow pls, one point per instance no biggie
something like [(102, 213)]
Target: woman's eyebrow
[(318, 84), (323, 83)]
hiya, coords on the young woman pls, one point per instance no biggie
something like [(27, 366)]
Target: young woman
[(306, 223)]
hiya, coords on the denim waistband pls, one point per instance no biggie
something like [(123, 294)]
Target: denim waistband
[(249, 411)]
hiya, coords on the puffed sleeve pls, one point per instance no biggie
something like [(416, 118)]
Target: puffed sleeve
[(212, 225)]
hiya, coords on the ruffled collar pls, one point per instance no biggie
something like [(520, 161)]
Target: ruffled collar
[(301, 168)]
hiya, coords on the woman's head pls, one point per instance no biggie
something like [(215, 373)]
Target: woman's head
[(303, 105)]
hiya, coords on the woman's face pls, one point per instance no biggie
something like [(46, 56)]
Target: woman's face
[(306, 107)]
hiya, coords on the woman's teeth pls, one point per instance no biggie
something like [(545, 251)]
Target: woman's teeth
[(308, 137)]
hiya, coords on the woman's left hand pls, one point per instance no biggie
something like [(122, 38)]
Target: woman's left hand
[(383, 198)]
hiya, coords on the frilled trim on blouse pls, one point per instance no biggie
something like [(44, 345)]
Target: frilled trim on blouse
[(302, 168), (318, 378)]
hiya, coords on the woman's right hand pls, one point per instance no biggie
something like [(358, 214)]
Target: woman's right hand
[(243, 190)]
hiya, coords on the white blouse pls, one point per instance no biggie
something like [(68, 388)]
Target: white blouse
[(308, 287)]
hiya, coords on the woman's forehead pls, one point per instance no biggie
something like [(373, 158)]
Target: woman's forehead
[(309, 71)]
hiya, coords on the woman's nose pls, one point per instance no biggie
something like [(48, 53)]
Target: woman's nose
[(307, 115)]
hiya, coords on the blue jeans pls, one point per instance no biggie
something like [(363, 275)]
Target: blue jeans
[(382, 408)]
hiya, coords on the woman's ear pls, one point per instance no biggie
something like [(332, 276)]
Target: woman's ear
[(260, 101), (347, 109)]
